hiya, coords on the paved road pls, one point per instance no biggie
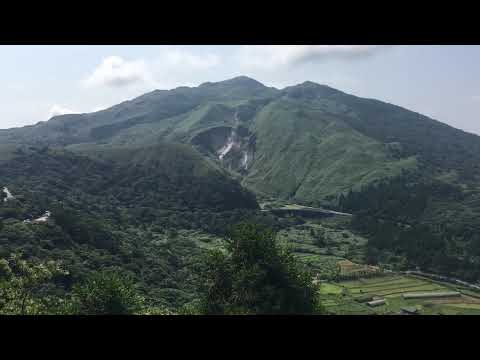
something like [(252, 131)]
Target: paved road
[(309, 208), (443, 278)]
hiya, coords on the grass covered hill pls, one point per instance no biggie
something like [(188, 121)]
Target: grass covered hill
[(309, 144), (298, 131)]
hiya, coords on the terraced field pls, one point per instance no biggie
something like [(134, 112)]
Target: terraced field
[(346, 297), (392, 287), (336, 244)]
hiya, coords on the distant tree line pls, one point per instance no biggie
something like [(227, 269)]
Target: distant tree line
[(396, 216)]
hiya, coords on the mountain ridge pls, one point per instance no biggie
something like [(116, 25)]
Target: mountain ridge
[(238, 80), (183, 113), (412, 182)]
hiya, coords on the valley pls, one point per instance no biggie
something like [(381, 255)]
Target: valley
[(150, 186)]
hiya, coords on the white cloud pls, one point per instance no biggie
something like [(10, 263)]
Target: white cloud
[(117, 72), (172, 67), (182, 58), (180, 67), (274, 56), (476, 97), (56, 110)]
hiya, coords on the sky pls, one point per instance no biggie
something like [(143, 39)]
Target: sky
[(38, 82)]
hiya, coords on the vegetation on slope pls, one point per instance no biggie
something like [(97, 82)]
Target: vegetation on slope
[(256, 277), (305, 154), (409, 222), (119, 209), (412, 182)]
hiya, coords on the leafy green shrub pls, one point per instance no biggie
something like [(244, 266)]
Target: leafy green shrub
[(257, 276), (106, 293), (24, 287)]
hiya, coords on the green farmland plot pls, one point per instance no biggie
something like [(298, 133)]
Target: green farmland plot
[(396, 289), (348, 307), (323, 265), (350, 297), (330, 289), (451, 309), (344, 297), (321, 243)]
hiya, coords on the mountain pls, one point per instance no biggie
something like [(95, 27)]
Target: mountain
[(307, 143), (157, 109), (292, 143)]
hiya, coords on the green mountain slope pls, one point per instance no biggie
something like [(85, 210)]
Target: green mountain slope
[(152, 108), (146, 211), (306, 143), (306, 154), (169, 176)]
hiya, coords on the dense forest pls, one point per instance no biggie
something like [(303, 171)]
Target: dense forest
[(130, 209), (252, 275), (128, 215), (396, 215)]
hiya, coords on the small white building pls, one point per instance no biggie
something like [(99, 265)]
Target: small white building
[(43, 218), (378, 302)]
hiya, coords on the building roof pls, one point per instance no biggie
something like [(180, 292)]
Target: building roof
[(433, 294), (345, 263), (376, 302), (409, 309)]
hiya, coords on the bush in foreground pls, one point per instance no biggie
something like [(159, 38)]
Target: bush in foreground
[(256, 276), (106, 293)]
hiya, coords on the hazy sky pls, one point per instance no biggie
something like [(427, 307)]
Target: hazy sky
[(442, 82)]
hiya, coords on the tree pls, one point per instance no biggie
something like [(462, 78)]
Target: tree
[(21, 285), (106, 293), (84, 229), (372, 255), (256, 276), (320, 239)]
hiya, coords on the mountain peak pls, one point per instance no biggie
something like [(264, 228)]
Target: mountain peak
[(314, 85), (310, 89), (309, 83), (237, 81)]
